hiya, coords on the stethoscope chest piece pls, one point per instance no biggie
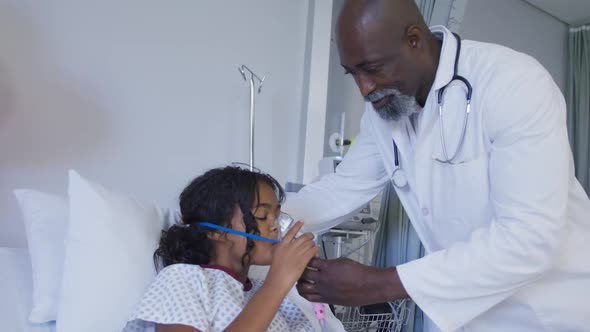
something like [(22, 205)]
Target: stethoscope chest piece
[(399, 179)]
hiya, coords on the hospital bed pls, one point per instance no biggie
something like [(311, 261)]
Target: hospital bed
[(102, 282), (16, 293)]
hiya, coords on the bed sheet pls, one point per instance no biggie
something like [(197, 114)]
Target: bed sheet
[(16, 288)]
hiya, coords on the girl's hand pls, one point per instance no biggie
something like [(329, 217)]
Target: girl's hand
[(290, 258)]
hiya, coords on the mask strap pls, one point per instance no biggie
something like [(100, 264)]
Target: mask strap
[(233, 231)]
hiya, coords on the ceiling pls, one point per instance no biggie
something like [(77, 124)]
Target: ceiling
[(573, 12)]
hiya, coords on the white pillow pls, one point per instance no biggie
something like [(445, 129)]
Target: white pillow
[(45, 217), (108, 262)]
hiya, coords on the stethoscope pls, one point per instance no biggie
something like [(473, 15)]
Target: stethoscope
[(398, 178)]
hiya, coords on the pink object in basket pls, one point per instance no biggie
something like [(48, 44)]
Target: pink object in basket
[(319, 310)]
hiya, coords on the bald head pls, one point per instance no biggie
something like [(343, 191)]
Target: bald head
[(390, 14), (385, 44)]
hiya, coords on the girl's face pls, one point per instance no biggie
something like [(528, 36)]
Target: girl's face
[(266, 211)]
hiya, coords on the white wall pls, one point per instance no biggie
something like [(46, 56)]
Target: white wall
[(141, 96), (343, 94), (518, 25), (318, 62)]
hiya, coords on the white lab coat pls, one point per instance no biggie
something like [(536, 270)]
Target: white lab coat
[(507, 231)]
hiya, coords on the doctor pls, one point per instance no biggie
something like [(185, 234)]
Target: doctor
[(473, 137)]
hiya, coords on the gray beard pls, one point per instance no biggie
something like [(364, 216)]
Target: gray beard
[(398, 106)]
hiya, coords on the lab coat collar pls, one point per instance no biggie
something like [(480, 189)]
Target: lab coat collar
[(446, 64)]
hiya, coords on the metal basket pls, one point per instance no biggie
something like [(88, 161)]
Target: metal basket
[(391, 317), (385, 317)]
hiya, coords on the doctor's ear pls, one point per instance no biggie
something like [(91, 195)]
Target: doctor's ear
[(414, 36)]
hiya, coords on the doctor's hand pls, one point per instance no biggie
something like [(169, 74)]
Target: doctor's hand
[(345, 282)]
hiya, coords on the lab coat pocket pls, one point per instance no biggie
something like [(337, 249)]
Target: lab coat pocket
[(458, 148), (462, 197), (459, 183)]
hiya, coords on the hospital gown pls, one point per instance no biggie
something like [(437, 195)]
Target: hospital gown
[(208, 299)]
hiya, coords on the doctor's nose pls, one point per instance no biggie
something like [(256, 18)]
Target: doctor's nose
[(366, 85)]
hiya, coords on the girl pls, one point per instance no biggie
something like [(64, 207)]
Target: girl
[(204, 285)]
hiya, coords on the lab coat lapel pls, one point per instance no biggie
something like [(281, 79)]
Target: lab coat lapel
[(398, 131), (446, 63), (428, 139), (430, 144)]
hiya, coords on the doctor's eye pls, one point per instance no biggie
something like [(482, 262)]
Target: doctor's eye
[(373, 69)]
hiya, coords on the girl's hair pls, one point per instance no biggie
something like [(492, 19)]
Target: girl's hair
[(212, 197)]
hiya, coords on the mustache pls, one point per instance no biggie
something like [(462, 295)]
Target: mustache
[(380, 94)]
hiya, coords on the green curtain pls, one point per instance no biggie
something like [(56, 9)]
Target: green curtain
[(578, 102)]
